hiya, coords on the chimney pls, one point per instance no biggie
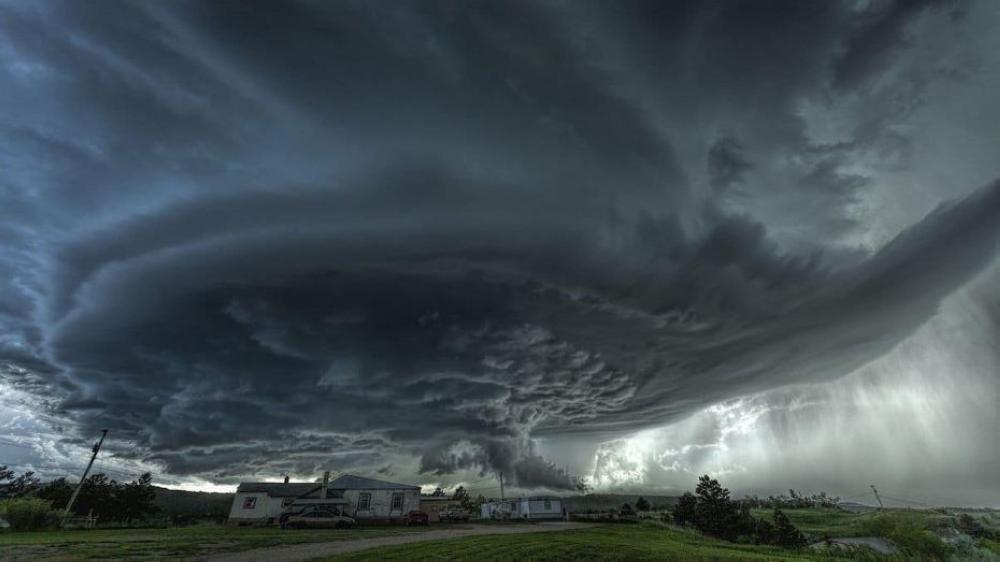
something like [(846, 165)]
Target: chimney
[(326, 481), (286, 479)]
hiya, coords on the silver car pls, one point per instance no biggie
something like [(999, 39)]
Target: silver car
[(318, 520)]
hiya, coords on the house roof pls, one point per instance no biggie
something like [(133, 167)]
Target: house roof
[(352, 482), (311, 489), (284, 490)]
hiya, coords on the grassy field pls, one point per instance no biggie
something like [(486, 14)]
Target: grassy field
[(168, 543), (646, 541), (838, 523)]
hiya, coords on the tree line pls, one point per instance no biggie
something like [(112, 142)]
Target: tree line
[(794, 500), (100, 496)]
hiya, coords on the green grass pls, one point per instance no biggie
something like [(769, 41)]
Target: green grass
[(646, 541), (838, 523), (170, 542)]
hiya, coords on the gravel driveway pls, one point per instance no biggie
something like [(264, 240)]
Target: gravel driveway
[(301, 552)]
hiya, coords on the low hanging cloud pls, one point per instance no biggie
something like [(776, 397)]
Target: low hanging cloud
[(421, 236)]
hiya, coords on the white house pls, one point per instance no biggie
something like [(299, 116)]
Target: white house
[(367, 498), (534, 507), (262, 503)]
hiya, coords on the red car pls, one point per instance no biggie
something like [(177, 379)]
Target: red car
[(417, 518)]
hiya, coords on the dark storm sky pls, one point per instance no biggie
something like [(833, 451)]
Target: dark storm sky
[(413, 238)]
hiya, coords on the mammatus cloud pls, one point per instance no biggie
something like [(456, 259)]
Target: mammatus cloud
[(417, 236)]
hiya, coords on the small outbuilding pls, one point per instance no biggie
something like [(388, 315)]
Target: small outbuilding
[(433, 506), (533, 507)]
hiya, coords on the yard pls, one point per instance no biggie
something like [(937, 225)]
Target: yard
[(646, 541), (655, 541), (171, 542), (643, 541)]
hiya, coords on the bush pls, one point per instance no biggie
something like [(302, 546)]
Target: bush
[(29, 514), (912, 539)]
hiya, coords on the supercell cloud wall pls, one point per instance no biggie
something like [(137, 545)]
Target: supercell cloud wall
[(422, 239)]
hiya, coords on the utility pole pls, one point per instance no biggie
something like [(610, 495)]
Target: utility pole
[(76, 492), (501, 488), (877, 498)]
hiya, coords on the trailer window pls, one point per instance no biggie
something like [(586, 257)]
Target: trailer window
[(548, 505), (250, 502), (364, 501)]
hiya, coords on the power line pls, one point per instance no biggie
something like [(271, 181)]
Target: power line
[(938, 503), (907, 501)]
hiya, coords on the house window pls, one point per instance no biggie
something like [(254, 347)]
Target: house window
[(364, 501), (548, 505), (250, 502), (513, 506), (397, 501)]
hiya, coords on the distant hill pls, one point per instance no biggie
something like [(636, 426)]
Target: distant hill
[(605, 502), (185, 504)]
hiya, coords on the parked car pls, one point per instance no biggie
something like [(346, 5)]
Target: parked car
[(454, 515), (417, 518), (317, 520)]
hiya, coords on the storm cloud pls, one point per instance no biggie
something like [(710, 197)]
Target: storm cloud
[(266, 238)]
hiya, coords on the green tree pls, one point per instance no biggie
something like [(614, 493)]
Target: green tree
[(684, 513), (786, 534), (135, 499), (715, 513), (57, 491), (763, 532), (641, 504), (12, 486)]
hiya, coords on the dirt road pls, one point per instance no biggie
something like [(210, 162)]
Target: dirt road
[(309, 551)]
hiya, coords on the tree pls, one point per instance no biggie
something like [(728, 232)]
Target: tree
[(12, 486), (786, 534), (641, 504), (715, 514), (57, 491), (135, 499), (684, 513), (438, 493), (763, 532)]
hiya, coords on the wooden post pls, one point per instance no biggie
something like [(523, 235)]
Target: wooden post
[(76, 492)]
